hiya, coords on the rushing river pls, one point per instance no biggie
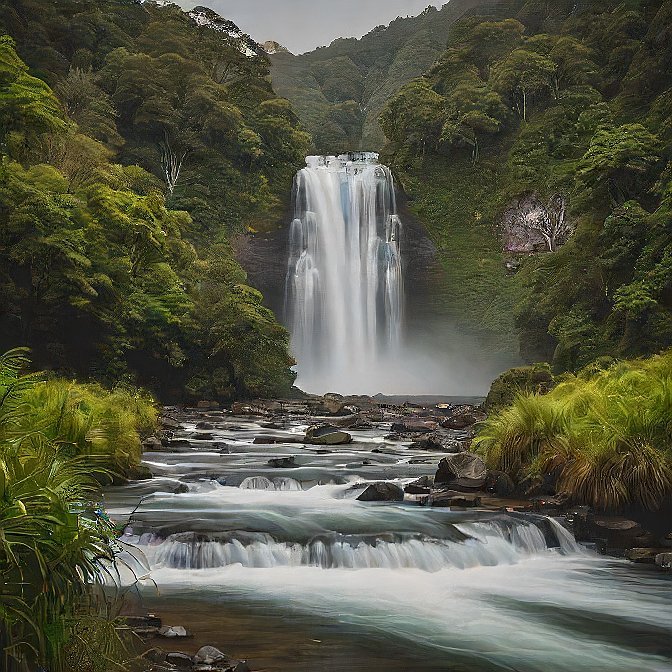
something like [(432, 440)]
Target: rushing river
[(284, 567)]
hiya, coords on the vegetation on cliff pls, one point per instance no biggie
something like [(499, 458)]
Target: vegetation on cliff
[(134, 143), (567, 105)]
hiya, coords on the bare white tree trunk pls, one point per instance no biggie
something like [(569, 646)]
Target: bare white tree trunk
[(171, 162)]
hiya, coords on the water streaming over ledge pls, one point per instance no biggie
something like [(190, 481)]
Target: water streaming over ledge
[(344, 291)]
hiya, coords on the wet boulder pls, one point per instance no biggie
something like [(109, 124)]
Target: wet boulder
[(462, 471), (173, 632), (152, 444), (500, 483), (414, 425), (452, 498), (463, 419), (437, 442), (643, 555), (327, 435), (421, 486), (180, 660), (283, 462), (664, 560), (382, 492), (204, 425)]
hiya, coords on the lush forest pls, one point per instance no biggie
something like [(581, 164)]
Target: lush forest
[(137, 141), (339, 91), (537, 152)]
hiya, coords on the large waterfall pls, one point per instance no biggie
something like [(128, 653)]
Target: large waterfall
[(344, 294)]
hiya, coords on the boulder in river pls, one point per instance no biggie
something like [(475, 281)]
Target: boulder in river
[(421, 486), (382, 492), (173, 632), (462, 471), (204, 425), (283, 462), (152, 444), (437, 442), (500, 483), (414, 425), (446, 498), (664, 560), (327, 435), (464, 419), (643, 555), (180, 660)]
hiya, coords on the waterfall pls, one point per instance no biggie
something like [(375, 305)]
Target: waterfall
[(344, 290)]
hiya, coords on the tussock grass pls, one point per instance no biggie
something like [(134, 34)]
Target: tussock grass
[(607, 433)]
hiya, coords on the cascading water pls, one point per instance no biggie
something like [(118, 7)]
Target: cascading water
[(344, 293), (287, 565)]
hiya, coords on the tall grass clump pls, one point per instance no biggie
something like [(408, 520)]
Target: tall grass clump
[(605, 434), (57, 440)]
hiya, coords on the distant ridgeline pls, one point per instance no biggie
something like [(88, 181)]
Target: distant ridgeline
[(339, 91), (135, 140), (536, 151)]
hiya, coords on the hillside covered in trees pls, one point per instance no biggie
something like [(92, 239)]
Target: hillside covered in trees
[(135, 140), (537, 152), (339, 91)]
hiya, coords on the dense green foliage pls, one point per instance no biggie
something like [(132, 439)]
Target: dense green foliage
[(57, 441), (340, 90), (134, 147), (605, 434), (559, 101)]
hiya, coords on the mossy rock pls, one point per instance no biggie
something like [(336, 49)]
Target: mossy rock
[(524, 379)]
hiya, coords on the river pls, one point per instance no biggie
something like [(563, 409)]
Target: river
[(285, 568)]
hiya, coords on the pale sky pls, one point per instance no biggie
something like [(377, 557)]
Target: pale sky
[(303, 25)]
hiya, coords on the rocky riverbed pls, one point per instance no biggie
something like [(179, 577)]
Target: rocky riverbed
[(374, 521)]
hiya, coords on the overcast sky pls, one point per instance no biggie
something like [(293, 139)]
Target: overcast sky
[(302, 25)]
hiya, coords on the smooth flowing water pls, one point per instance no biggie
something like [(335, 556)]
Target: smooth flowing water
[(286, 568), (344, 291)]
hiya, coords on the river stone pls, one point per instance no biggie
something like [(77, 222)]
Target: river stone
[(446, 498), (204, 425), (210, 655), (421, 486), (382, 492), (180, 660), (283, 462), (463, 419), (500, 484), (664, 560), (438, 443), (152, 443), (416, 425), (462, 471), (643, 555), (173, 631), (327, 435)]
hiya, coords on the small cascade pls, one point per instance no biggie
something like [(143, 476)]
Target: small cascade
[(472, 544), (344, 291), (280, 484)]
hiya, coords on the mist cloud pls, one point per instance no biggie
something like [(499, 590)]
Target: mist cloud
[(303, 25)]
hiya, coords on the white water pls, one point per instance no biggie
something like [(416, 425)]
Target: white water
[(344, 281), (451, 590)]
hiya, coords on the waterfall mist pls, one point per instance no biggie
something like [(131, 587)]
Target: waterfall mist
[(344, 296)]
